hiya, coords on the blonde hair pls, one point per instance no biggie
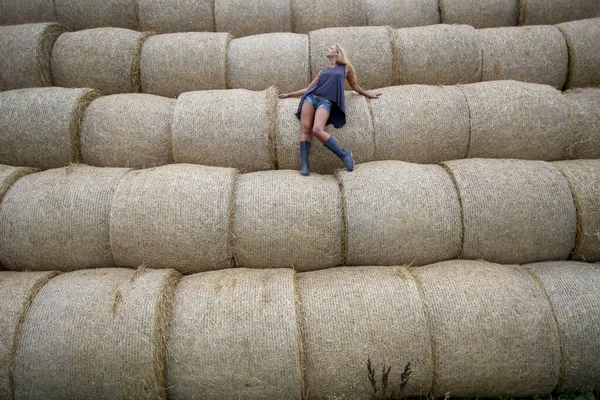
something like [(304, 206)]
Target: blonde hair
[(342, 59)]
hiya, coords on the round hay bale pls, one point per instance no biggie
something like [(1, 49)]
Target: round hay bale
[(26, 50), (310, 15), (583, 177), (514, 211), (517, 120), (252, 17), (583, 41), (438, 54), (584, 107), (85, 14), (402, 13), (17, 290), (356, 135), (225, 128), (421, 124), (40, 127), (58, 219), (175, 216), (162, 16), (368, 48), (377, 315), (492, 330), (96, 334), (127, 130), (400, 213), (235, 334), (248, 68), (549, 12), (480, 14), (283, 219), (106, 59), (14, 12), (536, 54), (9, 175), (182, 62), (572, 289)]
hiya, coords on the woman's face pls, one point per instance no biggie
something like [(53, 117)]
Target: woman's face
[(332, 51)]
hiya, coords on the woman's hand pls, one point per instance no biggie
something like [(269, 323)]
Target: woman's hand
[(374, 95), (283, 96)]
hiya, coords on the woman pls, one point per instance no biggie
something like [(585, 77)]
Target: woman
[(323, 104)]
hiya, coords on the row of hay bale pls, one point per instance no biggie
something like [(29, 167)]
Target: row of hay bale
[(196, 218), (470, 328), (254, 131), (117, 60)]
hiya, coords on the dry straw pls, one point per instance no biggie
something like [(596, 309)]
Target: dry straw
[(356, 136), (400, 213), (26, 50), (9, 175), (493, 330), (181, 62), (285, 220), (517, 120), (40, 127), (127, 130), (58, 219), (96, 334), (421, 124), (274, 59), (309, 15), (584, 106), (85, 14), (439, 54), (583, 41), (480, 14), (252, 17), (14, 12), (536, 54), (175, 216), (234, 335), (544, 12), (514, 211), (402, 13), (162, 16), (352, 315)]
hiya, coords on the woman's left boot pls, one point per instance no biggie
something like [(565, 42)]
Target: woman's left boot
[(304, 152), (343, 154)]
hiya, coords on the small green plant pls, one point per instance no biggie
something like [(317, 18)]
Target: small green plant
[(385, 374)]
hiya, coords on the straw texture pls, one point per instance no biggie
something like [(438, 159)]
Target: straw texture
[(400, 213), (492, 328), (548, 12), (356, 135), (362, 45), (514, 211), (9, 175), (421, 124), (40, 127), (252, 17), (535, 54), (127, 130), (309, 15), (234, 334), (225, 128), (402, 13), (584, 106), (181, 62), (583, 177), (572, 289), (583, 41), (175, 216), (517, 120), (13, 12), (58, 219), (106, 59), (85, 14), (255, 62), (480, 14), (283, 219), (26, 50), (162, 16), (17, 290), (439, 54), (96, 334)]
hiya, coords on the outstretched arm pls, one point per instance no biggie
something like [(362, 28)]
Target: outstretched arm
[(353, 81), (300, 92)]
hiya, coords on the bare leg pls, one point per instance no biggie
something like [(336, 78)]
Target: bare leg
[(306, 119), (318, 129)]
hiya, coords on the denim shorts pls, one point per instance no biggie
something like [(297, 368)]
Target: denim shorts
[(318, 102)]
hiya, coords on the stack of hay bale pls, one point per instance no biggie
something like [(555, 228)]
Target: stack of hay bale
[(157, 240)]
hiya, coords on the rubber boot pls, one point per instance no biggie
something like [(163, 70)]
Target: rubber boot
[(343, 154), (304, 151)]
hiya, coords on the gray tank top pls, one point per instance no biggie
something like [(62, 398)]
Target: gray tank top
[(330, 86)]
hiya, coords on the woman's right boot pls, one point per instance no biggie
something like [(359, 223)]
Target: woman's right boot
[(304, 152)]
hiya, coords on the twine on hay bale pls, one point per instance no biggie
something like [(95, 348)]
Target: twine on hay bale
[(536, 54), (480, 14), (127, 130), (26, 50), (40, 127), (285, 220), (161, 16), (175, 216), (402, 13), (517, 120), (58, 219), (310, 15), (514, 211), (182, 62), (583, 41), (235, 334), (248, 68), (85, 14), (400, 213), (493, 330), (252, 17), (97, 334), (9, 175), (549, 12), (14, 12), (584, 107), (421, 124)]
